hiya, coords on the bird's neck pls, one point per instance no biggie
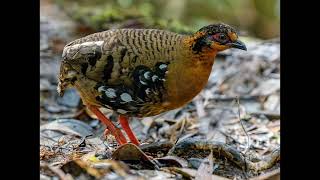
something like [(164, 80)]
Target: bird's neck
[(191, 73), (197, 49), (200, 57)]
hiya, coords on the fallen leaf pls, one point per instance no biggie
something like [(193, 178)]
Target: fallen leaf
[(68, 126), (272, 103), (205, 169), (132, 154), (89, 166), (267, 87)]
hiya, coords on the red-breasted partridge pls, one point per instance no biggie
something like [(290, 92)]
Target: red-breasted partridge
[(141, 72)]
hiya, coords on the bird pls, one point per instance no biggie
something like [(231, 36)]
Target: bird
[(141, 72)]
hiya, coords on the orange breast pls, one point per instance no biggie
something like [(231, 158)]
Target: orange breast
[(186, 80)]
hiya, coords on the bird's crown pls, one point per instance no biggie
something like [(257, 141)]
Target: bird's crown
[(217, 28)]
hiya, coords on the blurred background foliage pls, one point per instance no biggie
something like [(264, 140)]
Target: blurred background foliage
[(255, 18)]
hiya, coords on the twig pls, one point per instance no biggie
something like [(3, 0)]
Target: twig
[(196, 147), (226, 98), (156, 147), (270, 115), (267, 162), (176, 170), (248, 138), (201, 148)]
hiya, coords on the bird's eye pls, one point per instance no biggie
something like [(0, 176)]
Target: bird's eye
[(220, 37)]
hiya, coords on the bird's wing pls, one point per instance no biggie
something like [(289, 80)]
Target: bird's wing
[(128, 62), (112, 56)]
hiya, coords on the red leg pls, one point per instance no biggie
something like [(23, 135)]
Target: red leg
[(116, 132), (125, 125)]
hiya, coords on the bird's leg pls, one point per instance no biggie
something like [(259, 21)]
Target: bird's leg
[(125, 125), (116, 132)]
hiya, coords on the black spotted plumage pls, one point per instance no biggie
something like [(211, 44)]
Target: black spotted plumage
[(119, 98), (148, 84), (161, 69)]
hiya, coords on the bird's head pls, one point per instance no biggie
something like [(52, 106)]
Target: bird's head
[(216, 37)]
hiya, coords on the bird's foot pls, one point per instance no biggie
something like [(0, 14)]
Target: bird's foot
[(106, 132), (119, 139)]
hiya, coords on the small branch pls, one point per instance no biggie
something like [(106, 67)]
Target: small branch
[(230, 98), (201, 148), (269, 115), (176, 170), (156, 147), (197, 148), (266, 163), (248, 138)]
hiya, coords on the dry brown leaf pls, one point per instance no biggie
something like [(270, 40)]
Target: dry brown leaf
[(205, 169), (129, 152), (91, 165), (132, 153)]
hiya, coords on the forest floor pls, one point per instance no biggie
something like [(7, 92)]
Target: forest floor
[(203, 140)]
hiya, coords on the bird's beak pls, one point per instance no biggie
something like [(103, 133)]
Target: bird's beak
[(238, 44)]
